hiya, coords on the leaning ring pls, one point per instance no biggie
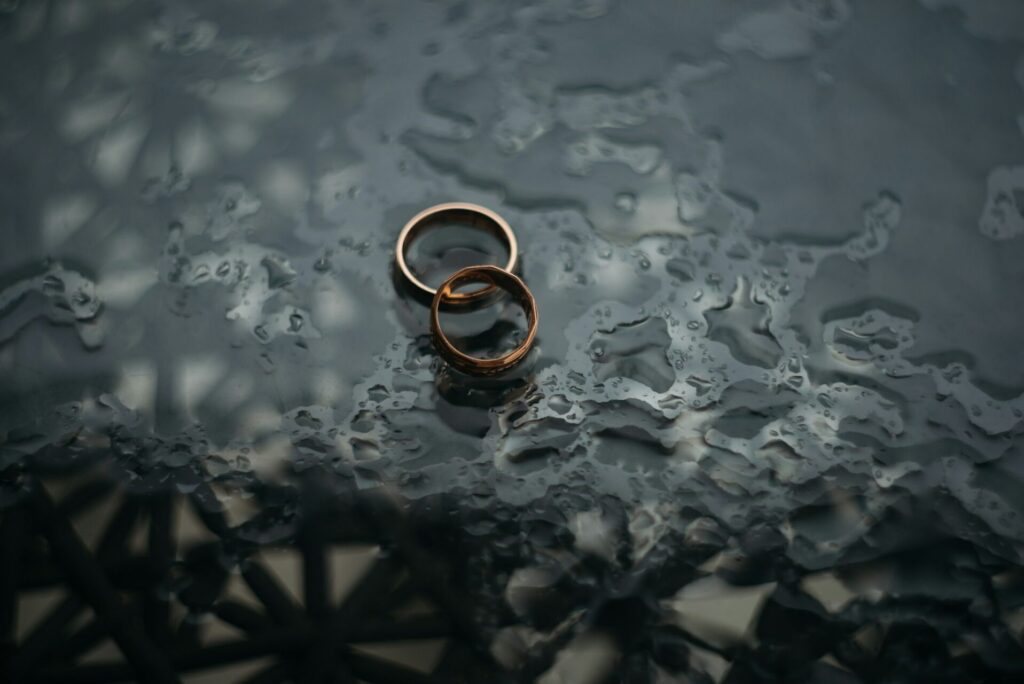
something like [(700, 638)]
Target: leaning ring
[(470, 214), (494, 277)]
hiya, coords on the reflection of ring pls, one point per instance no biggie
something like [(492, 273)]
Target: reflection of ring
[(495, 278), (472, 215)]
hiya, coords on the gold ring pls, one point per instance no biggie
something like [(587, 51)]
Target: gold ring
[(495, 278), (470, 214)]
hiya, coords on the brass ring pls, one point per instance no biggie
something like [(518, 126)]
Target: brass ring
[(473, 215), (496, 278)]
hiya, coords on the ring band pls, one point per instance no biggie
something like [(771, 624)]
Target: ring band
[(495, 278), (471, 214)]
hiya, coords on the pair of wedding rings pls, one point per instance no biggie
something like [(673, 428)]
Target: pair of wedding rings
[(493, 277)]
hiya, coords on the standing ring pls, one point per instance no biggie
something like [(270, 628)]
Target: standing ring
[(470, 214), (495, 278)]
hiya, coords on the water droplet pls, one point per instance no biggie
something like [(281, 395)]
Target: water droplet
[(625, 202)]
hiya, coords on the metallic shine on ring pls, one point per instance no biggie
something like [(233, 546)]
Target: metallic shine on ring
[(496, 278), (474, 215)]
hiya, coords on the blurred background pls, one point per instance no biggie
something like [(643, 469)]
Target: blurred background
[(772, 429)]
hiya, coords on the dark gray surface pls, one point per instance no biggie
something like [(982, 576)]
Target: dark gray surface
[(777, 248)]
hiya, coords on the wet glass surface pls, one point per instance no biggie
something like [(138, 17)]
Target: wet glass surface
[(771, 430)]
